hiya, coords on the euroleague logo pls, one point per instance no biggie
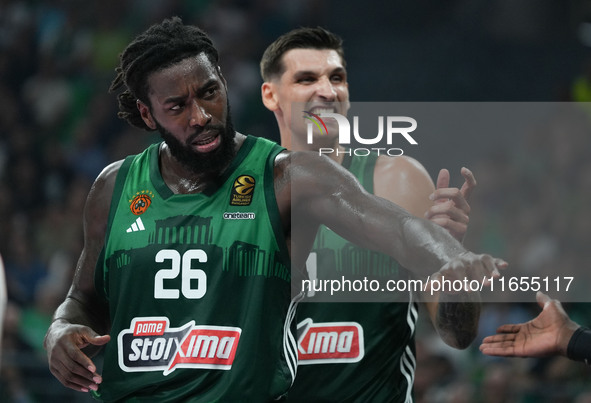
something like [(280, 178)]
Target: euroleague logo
[(140, 203), (242, 191)]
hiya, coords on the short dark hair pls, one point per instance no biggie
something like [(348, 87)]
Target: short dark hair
[(160, 46), (300, 38)]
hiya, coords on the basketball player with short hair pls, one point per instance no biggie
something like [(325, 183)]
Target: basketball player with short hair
[(307, 67)]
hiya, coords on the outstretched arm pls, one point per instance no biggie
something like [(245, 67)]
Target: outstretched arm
[(321, 191), (547, 334), (78, 319)]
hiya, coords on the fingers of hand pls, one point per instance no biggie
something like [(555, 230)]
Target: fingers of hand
[(454, 195), (443, 179), (469, 183), (498, 264), (472, 267), (502, 344), (450, 209), (492, 265), (542, 299), (75, 369), (504, 349), (502, 338), (501, 264), (508, 330), (99, 340), (74, 375), (76, 382), (455, 228)]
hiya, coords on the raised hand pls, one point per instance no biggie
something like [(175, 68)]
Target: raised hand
[(451, 209)]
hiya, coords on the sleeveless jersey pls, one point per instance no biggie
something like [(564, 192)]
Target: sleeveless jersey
[(198, 286), (355, 352)]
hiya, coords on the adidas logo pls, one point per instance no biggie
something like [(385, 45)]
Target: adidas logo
[(138, 225)]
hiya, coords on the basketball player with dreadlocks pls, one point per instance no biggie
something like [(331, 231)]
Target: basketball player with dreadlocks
[(184, 277)]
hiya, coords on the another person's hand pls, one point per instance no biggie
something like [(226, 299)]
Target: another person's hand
[(67, 362), (547, 334), (451, 209)]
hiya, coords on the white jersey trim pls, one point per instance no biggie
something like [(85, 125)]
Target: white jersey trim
[(290, 344), (408, 361)]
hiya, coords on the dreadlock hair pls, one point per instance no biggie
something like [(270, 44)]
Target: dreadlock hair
[(160, 46), (301, 38)]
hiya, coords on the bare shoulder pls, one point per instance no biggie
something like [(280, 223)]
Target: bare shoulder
[(99, 196), (109, 174), (404, 181), (103, 186), (282, 161), (401, 166)]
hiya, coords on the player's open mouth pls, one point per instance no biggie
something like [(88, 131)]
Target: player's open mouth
[(208, 142)]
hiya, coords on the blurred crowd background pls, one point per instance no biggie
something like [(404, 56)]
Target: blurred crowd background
[(58, 129)]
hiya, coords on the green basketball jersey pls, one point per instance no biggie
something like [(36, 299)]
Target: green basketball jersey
[(198, 286), (355, 352)]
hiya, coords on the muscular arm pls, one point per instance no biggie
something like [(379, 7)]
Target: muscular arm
[(321, 191), (82, 304), (83, 315)]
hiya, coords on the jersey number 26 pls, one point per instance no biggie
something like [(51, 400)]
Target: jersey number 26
[(181, 265)]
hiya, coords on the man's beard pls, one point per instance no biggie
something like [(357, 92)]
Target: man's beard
[(212, 162)]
